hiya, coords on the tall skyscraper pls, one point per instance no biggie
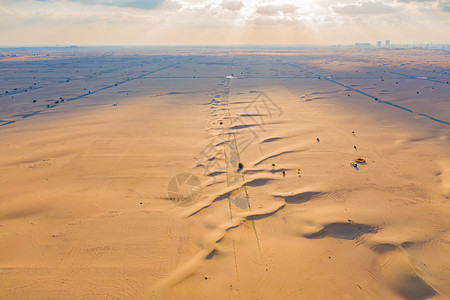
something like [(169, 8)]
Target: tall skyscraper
[(379, 43), (388, 43)]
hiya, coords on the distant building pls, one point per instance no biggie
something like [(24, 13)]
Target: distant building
[(379, 43), (388, 43), (362, 45)]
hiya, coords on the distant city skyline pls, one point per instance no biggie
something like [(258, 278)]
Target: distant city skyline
[(222, 22)]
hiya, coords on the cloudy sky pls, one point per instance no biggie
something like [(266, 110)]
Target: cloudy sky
[(222, 22)]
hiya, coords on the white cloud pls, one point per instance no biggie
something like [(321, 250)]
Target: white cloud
[(4, 12), (408, 1), (276, 9), (141, 4), (232, 4), (364, 7), (444, 5)]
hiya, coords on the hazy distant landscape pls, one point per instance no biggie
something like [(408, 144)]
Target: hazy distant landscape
[(34, 79)]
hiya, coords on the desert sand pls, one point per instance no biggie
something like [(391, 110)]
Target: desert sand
[(122, 179)]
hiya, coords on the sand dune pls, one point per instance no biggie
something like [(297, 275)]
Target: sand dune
[(185, 182)]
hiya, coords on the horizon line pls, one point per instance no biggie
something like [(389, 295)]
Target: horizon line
[(370, 45)]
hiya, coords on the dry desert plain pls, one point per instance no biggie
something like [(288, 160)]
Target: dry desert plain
[(120, 176)]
